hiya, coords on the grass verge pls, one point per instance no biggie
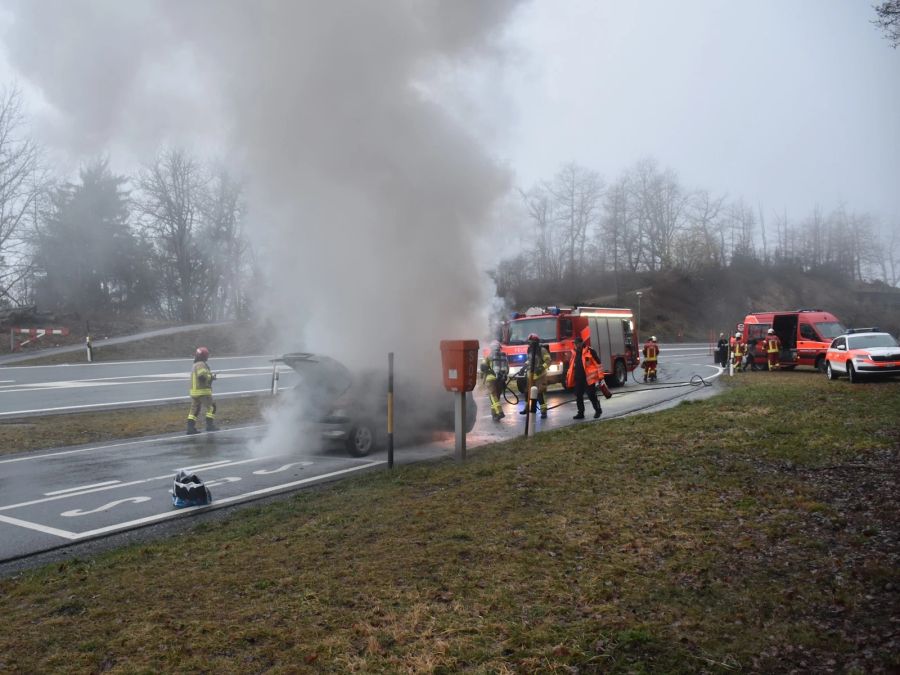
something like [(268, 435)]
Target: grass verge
[(50, 431), (757, 531)]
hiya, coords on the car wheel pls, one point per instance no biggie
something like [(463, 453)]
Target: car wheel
[(820, 364), (830, 372), (620, 373), (361, 440), (852, 375)]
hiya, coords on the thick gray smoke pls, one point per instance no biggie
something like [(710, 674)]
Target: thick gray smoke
[(367, 199)]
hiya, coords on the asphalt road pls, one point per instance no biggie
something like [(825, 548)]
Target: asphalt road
[(56, 498), (32, 390)]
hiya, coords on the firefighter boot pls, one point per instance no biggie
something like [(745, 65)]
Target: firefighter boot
[(543, 411), (192, 427), (597, 412), (579, 416), (211, 424)]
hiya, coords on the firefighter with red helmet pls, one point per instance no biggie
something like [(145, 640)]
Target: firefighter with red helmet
[(536, 366), (651, 357), (201, 392), (773, 349), (585, 372)]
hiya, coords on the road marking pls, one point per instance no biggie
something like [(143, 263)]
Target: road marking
[(223, 481), (204, 466), (39, 528), (168, 476), (79, 512), (265, 472), (219, 503), (154, 439), (80, 487)]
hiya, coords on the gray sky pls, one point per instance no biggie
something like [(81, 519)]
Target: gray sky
[(790, 104)]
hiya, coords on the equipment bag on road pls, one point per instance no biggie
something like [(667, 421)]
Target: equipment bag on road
[(189, 490)]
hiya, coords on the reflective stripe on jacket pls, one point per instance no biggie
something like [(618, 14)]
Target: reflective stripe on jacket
[(593, 371), (773, 344), (201, 380), (651, 351)]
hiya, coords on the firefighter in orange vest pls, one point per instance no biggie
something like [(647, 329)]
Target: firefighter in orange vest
[(737, 353), (536, 367), (584, 374), (201, 392), (651, 356), (773, 349)]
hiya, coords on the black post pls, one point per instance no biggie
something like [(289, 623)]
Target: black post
[(528, 381), (390, 410)]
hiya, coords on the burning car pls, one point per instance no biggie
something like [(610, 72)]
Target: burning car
[(349, 409)]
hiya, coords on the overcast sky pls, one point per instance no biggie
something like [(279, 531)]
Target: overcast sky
[(787, 104)]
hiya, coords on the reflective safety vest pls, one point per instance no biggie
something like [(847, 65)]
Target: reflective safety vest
[(201, 380), (773, 344), (593, 371), (651, 351)]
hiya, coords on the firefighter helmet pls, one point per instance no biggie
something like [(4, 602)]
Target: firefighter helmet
[(202, 353), (738, 335), (771, 331), (652, 338), (534, 337)]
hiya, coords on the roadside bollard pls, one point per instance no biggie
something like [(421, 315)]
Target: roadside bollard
[(532, 409), (89, 349), (274, 377)]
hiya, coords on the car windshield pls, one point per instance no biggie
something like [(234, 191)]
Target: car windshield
[(830, 329), (520, 329), (871, 340)]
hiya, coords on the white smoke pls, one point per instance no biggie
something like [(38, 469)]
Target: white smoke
[(367, 199)]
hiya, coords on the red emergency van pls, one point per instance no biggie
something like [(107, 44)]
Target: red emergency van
[(805, 336)]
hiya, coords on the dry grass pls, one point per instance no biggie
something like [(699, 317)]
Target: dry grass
[(700, 539), (50, 431)]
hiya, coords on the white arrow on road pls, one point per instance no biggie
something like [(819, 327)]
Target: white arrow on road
[(79, 512)]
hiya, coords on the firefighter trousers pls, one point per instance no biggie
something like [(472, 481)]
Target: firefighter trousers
[(202, 401)]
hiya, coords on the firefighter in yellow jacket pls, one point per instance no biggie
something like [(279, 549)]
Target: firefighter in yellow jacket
[(536, 367), (201, 392), (495, 371), (773, 349)]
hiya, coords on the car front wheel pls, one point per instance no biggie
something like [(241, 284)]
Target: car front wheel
[(852, 375), (829, 371), (361, 440)]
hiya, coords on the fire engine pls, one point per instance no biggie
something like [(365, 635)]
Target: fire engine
[(805, 336), (609, 330)]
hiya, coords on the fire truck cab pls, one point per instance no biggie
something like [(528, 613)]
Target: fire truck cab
[(609, 330), (805, 336)]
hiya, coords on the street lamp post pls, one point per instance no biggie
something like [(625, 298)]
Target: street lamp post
[(638, 331)]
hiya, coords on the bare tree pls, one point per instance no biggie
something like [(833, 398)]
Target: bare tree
[(172, 191), (576, 193), (21, 184), (889, 20), (222, 210)]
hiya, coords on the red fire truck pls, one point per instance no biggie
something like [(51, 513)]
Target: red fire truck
[(609, 330)]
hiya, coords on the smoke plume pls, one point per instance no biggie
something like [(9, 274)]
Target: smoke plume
[(367, 199)]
